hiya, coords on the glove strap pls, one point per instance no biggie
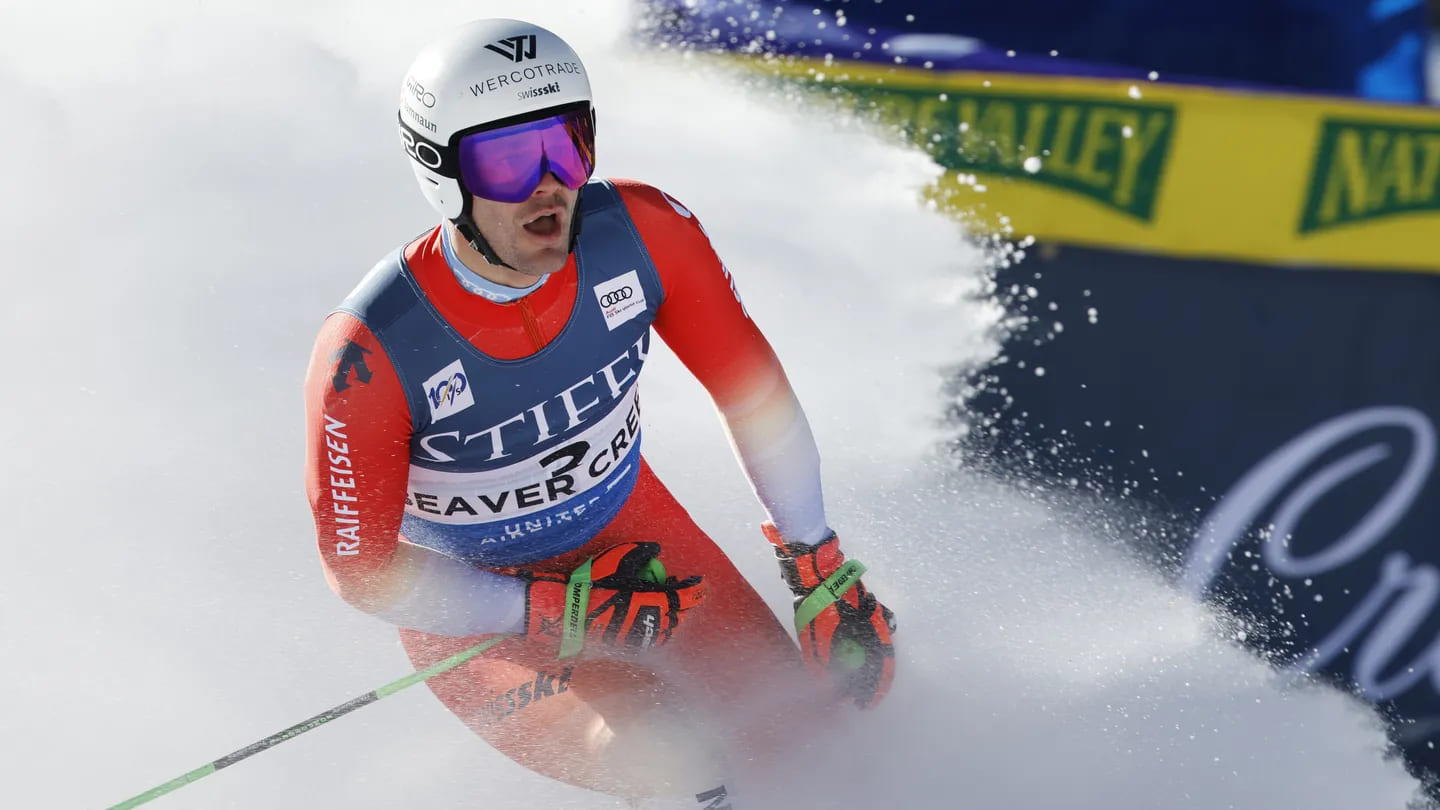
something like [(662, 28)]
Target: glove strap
[(577, 602), (825, 595)]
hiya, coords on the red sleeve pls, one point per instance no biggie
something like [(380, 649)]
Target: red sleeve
[(702, 318), (704, 322), (357, 459)]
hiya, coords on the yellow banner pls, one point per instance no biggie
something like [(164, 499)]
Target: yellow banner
[(1180, 170)]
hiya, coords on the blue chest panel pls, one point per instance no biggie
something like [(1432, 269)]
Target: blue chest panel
[(513, 461)]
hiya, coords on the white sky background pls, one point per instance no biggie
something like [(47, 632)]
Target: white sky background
[(184, 194)]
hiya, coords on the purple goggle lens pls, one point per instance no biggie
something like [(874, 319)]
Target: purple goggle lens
[(506, 164)]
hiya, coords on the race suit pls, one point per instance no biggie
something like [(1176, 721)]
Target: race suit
[(506, 438)]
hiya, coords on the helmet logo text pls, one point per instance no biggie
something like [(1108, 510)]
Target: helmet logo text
[(516, 49), (529, 73), (421, 150), (419, 92)]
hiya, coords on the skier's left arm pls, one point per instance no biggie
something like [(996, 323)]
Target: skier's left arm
[(703, 320)]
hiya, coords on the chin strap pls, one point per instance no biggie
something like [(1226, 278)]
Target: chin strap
[(465, 224), (470, 233)]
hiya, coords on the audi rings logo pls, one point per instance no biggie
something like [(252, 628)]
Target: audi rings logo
[(621, 299), (419, 92), (614, 297)]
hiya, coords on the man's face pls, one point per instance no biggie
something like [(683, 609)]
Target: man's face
[(532, 236)]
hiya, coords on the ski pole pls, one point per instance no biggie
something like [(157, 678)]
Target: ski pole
[(318, 720)]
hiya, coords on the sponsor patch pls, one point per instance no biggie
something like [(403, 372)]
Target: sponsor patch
[(448, 392), (620, 299)]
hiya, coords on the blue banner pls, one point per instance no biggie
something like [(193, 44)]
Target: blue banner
[(1283, 418), (1366, 48)]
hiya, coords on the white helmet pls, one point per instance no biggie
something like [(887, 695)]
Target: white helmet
[(484, 72)]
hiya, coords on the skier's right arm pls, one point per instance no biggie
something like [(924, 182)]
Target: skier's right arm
[(357, 467)]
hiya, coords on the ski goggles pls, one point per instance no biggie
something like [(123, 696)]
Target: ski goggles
[(506, 164)]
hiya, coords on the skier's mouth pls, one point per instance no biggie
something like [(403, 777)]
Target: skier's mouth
[(544, 226)]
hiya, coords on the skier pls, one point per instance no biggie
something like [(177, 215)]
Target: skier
[(473, 454)]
